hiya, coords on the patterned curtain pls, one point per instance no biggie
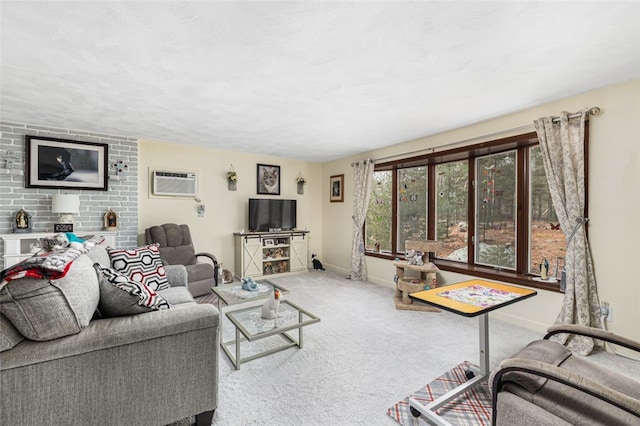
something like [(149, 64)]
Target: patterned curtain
[(363, 176), (562, 148)]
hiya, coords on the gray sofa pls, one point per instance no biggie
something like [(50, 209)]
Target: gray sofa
[(153, 368), (546, 384)]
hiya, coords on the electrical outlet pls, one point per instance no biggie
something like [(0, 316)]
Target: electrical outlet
[(605, 310)]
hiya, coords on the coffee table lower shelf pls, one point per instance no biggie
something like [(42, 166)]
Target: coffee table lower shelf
[(250, 327)]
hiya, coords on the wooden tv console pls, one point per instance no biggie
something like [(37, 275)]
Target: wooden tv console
[(260, 254)]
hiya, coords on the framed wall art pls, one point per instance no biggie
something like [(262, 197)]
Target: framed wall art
[(66, 164), (336, 186), (268, 179)]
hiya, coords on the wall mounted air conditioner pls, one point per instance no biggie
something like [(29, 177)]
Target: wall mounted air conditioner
[(181, 184)]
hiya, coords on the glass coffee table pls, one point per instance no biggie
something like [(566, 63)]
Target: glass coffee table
[(250, 326), (233, 294)]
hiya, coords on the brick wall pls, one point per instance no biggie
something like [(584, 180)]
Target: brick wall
[(122, 194)]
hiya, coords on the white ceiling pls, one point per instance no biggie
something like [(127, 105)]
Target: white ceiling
[(310, 80)]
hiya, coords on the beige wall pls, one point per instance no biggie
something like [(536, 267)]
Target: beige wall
[(614, 206), (226, 211)]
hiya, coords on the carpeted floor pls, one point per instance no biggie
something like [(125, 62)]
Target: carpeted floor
[(363, 357), (472, 408)]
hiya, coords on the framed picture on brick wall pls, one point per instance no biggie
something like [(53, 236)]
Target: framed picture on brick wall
[(66, 164)]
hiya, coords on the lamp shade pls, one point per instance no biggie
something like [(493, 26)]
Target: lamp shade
[(65, 203)]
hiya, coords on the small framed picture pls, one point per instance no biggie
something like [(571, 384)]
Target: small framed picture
[(269, 243), (65, 164), (268, 179), (336, 186)]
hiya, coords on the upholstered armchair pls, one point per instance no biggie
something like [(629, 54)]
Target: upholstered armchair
[(546, 384), (176, 248)]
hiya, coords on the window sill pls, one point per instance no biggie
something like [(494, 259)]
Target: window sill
[(482, 272)]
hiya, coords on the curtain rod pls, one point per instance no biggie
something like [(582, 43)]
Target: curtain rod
[(357, 163), (591, 111)]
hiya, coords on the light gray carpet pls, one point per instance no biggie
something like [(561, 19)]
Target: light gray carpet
[(360, 359)]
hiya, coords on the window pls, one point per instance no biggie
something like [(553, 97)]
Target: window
[(495, 185), (488, 205), (452, 209), (412, 205), (547, 240), (380, 213)]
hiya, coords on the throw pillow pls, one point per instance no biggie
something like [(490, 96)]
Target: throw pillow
[(142, 264), (121, 296)]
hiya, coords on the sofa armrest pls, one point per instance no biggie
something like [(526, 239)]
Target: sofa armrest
[(116, 358), (560, 375), (176, 275), (213, 259), (596, 333), (113, 332)]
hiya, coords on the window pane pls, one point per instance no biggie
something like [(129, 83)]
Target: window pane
[(412, 205), (378, 224), (546, 238), (452, 210), (496, 210)]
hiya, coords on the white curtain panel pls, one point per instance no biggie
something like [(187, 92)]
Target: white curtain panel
[(362, 177), (562, 148)]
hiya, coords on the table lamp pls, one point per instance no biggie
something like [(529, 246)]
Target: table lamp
[(66, 205)]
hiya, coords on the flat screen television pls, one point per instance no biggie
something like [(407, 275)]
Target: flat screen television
[(271, 214)]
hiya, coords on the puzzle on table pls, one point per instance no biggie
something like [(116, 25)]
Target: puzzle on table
[(478, 295)]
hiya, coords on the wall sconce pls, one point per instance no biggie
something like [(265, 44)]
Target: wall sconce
[(67, 205), (232, 179), (300, 181)]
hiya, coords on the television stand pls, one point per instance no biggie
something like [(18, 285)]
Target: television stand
[(260, 254)]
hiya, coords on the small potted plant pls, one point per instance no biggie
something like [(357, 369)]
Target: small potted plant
[(300, 181), (232, 179)]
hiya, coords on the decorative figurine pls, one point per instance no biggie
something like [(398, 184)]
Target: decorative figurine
[(110, 220), (22, 221), (249, 284), (271, 306), (544, 269)]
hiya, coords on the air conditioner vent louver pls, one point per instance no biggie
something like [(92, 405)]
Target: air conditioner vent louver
[(182, 184)]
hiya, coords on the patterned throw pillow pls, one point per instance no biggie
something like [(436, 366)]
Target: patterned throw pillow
[(142, 264), (121, 296)]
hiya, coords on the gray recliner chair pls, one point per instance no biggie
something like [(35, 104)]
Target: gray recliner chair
[(176, 248), (546, 384)]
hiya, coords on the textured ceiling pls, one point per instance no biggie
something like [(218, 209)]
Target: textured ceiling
[(309, 80)]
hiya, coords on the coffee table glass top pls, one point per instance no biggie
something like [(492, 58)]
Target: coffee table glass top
[(250, 322), (233, 294)]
